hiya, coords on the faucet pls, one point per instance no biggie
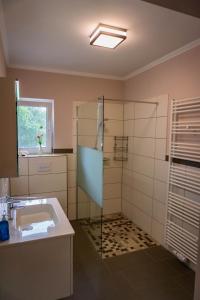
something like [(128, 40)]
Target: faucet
[(10, 206)]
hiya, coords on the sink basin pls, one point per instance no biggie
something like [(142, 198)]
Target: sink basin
[(35, 218)]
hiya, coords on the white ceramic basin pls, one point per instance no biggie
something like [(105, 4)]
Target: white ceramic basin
[(35, 218)]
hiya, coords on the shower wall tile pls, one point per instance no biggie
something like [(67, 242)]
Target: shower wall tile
[(161, 170), (112, 190), (142, 110), (160, 191), (158, 232), (159, 211), (141, 219), (145, 127), (129, 128), (72, 211), (87, 141), (112, 206), (160, 149), (145, 174), (108, 144), (143, 165), (112, 175), (71, 179), (87, 127), (109, 161), (161, 127), (113, 128), (129, 111), (71, 162), (71, 195), (142, 202), (143, 183), (144, 146), (113, 111)]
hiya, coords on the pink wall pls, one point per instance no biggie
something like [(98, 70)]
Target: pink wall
[(179, 77), (64, 89)]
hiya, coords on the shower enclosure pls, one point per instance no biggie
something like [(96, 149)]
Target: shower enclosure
[(121, 168)]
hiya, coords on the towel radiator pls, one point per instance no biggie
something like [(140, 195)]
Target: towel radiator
[(183, 205)]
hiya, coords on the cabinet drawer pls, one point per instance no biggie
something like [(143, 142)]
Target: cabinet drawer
[(47, 165), (47, 183)]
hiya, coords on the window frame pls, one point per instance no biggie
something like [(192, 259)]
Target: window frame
[(49, 104)]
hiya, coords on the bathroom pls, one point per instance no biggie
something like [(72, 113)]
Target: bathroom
[(119, 155)]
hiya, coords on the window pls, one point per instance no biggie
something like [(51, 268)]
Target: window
[(35, 122)]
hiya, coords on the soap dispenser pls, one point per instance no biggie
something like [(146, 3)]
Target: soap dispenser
[(4, 228)]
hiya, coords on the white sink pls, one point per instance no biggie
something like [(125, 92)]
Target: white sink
[(35, 218)]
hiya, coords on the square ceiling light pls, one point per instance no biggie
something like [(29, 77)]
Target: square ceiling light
[(107, 36)]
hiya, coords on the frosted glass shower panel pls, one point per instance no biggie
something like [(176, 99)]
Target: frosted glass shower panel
[(90, 173)]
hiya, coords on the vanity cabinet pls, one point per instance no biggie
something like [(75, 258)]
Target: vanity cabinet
[(8, 129)]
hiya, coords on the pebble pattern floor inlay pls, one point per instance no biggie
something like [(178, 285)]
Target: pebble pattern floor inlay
[(119, 236)]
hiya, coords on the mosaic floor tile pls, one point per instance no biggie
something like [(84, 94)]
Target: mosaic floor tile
[(119, 235)]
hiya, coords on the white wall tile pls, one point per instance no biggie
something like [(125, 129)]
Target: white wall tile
[(127, 192), (23, 166), (158, 232), (160, 151), (142, 202), (143, 183), (161, 127), (82, 196), (71, 179), (47, 165), (161, 170), (110, 162), (61, 196), (113, 111), (112, 175), (71, 195), (71, 211), (112, 206), (87, 127), (108, 144), (127, 209), (143, 165), (113, 127), (141, 219), (159, 211), (112, 190), (47, 183), (71, 162), (129, 111), (144, 146), (19, 186), (128, 164), (83, 210), (87, 141), (160, 191), (129, 128), (143, 110), (145, 127), (127, 177)]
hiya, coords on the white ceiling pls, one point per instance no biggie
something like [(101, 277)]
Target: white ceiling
[(54, 34)]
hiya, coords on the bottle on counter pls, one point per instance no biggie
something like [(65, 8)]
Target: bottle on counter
[(4, 228)]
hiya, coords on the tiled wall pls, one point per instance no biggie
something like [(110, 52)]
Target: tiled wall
[(113, 115), (4, 187), (42, 176), (145, 174)]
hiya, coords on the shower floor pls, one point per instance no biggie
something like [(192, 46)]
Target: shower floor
[(119, 235)]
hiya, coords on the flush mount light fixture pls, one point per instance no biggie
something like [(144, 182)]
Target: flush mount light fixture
[(107, 36)]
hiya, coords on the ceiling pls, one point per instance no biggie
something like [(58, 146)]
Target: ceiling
[(54, 34)]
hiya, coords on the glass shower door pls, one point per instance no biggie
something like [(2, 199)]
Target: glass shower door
[(90, 134)]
